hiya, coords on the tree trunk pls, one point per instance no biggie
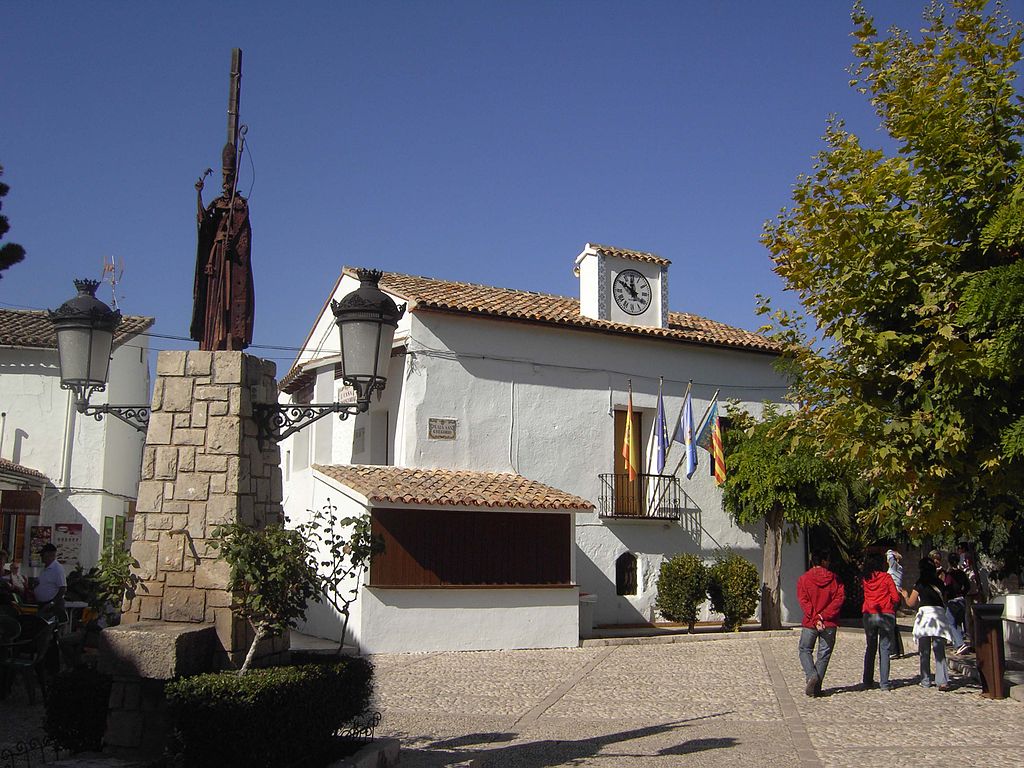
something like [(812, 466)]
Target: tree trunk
[(771, 571), (261, 632)]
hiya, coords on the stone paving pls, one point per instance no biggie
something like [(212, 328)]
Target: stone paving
[(732, 700), (736, 700)]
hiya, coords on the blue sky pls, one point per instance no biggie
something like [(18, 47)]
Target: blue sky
[(478, 141)]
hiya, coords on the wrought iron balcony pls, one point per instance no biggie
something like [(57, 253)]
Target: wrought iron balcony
[(648, 496)]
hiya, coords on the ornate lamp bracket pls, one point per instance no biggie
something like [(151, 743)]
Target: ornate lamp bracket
[(276, 421), (134, 415)]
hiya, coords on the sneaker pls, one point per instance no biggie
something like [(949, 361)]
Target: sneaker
[(946, 687), (811, 688)]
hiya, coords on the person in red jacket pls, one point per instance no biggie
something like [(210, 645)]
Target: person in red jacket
[(821, 596), (879, 615)]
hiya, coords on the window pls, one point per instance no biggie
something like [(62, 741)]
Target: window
[(629, 494), (625, 575), (434, 548)]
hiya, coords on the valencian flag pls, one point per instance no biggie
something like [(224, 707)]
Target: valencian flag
[(710, 439), (630, 442), (661, 430), (684, 433)]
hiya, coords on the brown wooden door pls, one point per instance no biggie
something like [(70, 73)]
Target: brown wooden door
[(629, 499)]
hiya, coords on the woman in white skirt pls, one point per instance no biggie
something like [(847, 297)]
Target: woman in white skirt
[(931, 625)]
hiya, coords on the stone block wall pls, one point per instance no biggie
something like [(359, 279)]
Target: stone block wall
[(203, 465)]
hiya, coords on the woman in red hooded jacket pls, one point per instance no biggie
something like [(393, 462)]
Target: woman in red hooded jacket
[(879, 615)]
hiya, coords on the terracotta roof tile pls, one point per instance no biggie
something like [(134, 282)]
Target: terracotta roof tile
[(32, 328), (626, 253), (9, 467), (447, 488), (430, 294), (426, 293)]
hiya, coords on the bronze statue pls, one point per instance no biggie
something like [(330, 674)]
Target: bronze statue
[(223, 296)]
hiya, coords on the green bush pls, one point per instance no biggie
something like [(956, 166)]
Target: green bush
[(682, 588), (734, 587), (76, 709), (267, 717)]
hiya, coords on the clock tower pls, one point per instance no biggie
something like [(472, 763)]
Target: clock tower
[(623, 286)]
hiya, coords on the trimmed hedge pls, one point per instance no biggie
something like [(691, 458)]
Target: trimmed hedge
[(267, 717), (76, 709), (682, 588), (734, 588)]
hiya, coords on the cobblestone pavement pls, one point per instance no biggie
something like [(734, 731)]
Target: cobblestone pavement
[(730, 701)]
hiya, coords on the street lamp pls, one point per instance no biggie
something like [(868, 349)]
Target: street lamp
[(85, 335), (366, 319)]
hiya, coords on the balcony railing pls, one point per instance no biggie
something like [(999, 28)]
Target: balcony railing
[(648, 496)]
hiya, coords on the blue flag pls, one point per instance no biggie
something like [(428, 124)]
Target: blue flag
[(684, 434)]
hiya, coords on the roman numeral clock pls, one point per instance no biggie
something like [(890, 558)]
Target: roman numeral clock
[(632, 292)]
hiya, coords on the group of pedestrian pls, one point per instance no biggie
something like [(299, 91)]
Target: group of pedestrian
[(939, 618)]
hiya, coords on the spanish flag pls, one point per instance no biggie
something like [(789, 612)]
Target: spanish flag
[(630, 443)]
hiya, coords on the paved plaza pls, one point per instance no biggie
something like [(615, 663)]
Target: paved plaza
[(732, 700), (712, 700)]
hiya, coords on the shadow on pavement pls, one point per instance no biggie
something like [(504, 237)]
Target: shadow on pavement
[(548, 753)]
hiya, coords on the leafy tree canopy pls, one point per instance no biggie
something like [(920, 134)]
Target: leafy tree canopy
[(10, 253), (908, 263)]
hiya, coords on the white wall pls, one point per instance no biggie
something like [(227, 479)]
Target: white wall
[(418, 620), (539, 401), (403, 620), (93, 465)]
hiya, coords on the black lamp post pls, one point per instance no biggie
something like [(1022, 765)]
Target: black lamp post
[(85, 335), (366, 318)]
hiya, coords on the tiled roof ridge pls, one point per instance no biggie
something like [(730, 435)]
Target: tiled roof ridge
[(420, 486), (614, 250), (462, 284), (439, 295)]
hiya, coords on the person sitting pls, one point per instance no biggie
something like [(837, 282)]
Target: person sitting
[(19, 584)]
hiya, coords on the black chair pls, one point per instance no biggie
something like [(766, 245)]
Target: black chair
[(26, 654)]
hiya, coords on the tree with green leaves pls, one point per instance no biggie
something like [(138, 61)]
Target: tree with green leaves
[(784, 483), (908, 260), (344, 548), (10, 253), (273, 578)]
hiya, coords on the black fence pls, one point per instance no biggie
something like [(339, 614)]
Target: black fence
[(646, 496)]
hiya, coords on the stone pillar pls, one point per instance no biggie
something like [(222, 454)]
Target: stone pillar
[(202, 465)]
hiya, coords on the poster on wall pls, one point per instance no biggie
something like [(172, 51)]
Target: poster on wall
[(38, 536), (67, 538)]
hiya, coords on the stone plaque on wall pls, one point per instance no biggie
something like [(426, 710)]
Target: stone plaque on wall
[(442, 429)]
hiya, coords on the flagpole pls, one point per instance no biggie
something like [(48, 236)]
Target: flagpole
[(675, 424)]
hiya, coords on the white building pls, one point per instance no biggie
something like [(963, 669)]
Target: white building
[(64, 475), (535, 387)]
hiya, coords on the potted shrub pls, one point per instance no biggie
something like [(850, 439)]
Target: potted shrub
[(734, 587), (682, 588)]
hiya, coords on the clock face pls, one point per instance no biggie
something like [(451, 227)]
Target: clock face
[(632, 292)]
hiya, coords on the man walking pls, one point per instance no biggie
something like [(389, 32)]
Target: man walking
[(821, 596)]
